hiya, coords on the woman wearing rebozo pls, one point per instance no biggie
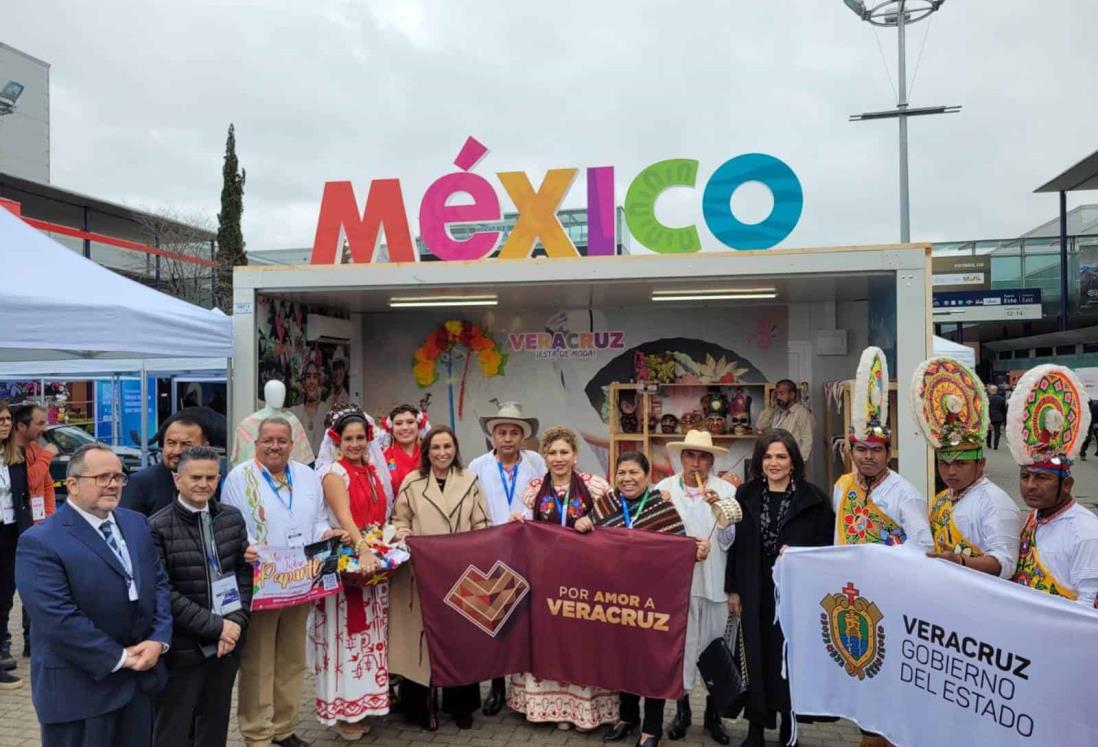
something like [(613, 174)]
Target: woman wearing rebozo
[(565, 496), (349, 631), (440, 497)]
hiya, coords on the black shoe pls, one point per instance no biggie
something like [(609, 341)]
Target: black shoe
[(653, 741), (9, 681), (681, 722), (754, 736), (714, 725), (619, 731), (7, 661), (497, 696), (291, 741), (465, 721), (26, 649)]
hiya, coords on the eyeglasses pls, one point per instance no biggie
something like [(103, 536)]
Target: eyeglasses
[(102, 481)]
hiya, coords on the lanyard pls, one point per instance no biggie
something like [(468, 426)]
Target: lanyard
[(209, 540), (509, 490), (274, 487), (640, 510), (562, 508)]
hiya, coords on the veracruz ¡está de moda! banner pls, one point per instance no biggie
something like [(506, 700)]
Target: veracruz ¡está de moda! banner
[(289, 576), (926, 652), (604, 609)]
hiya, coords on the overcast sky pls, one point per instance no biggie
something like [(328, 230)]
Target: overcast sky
[(142, 93)]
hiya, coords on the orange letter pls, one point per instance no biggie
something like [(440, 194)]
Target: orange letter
[(339, 215), (537, 214)]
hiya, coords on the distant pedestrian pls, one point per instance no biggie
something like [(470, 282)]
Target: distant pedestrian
[(1092, 435), (996, 414), (15, 517), (202, 544)]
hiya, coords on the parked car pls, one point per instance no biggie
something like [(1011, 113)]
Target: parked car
[(69, 438)]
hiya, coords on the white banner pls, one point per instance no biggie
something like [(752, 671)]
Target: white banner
[(928, 653)]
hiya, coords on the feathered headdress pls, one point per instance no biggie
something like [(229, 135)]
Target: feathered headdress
[(1048, 417), (951, 408), (869, 405)]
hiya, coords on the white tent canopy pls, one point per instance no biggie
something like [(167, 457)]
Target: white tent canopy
[(58, 306), (956, 350), (82, 368)]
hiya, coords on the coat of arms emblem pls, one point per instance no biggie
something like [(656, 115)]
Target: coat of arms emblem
[(852, 631)]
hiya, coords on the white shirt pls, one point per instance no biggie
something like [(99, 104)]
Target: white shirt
[(486, 467), (7, 503), (96, 522), (903, 502), (191, 508), (1068, 546), (990, 518), (698, 520), (246, 489)]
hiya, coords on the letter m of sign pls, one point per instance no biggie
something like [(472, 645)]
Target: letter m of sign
[(339, 217)]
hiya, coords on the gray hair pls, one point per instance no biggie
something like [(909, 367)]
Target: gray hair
[(76, 463), (274, 420), (198, 454)]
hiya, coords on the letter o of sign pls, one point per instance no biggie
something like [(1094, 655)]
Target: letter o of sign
[(776, 176)]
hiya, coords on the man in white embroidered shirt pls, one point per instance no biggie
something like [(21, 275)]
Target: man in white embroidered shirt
[(283, 506), (100, 610), (504, 474)]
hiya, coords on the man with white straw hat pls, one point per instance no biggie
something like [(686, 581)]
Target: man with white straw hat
[(1047, 422), (504, 474), (693, 490)]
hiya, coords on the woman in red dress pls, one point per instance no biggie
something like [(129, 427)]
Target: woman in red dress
[(405, 424)]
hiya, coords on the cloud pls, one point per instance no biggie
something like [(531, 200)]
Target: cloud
[(142, 93)]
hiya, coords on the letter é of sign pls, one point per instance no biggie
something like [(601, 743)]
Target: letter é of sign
[(339, 215)]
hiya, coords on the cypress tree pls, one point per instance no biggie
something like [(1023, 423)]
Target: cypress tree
[(230, 239)]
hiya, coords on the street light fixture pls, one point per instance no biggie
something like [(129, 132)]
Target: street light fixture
[(900, 14)]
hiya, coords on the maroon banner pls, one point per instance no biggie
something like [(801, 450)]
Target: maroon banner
[(605, 609)]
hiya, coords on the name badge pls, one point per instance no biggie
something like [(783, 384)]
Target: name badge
[(226, 595), (294, 538), (38, 507), (9, 514)]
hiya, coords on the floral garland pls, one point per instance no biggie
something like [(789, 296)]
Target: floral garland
[(441, 343)]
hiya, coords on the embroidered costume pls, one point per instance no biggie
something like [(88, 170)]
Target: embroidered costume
[(890, 510), (548, 700), (1048, 418), (951, 408), (503, 488)]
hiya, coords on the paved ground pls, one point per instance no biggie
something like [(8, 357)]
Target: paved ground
[(18, 725)]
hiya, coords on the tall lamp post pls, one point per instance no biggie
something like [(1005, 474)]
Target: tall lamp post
[(900, 14)]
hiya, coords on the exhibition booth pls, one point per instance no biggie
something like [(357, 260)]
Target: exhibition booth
[(625, 349)]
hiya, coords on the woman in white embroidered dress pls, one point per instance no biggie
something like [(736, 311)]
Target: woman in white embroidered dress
[(349, 630)]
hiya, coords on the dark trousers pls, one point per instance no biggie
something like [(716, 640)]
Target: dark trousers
[(994, 431), (127, 727), (9, 536), (1092, 436), (418, 702), (629, 712), (194, 707)]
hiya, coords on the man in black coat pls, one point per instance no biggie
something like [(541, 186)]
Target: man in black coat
[(996, 415), (1093, 434), (202, 545), (152, 488)]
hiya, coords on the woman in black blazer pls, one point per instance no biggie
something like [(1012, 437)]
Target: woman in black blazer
[(14, 520), (780, 509)]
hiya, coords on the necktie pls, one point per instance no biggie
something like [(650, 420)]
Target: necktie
[(107, 530)]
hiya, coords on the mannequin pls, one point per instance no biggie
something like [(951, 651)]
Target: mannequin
[(274, 397)]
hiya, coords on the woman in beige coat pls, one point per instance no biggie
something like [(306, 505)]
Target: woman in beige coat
[(441, 497)]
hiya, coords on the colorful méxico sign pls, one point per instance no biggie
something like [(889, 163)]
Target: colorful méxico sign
[(537, 208)]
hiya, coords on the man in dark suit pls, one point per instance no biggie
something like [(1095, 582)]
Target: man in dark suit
[(153, 487), (100, 609), (996, 412)]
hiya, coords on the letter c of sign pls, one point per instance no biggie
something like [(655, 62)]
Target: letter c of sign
[(776, 176), (640, 207)]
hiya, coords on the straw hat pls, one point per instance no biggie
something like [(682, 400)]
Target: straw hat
[(697, 441), (510, 412)]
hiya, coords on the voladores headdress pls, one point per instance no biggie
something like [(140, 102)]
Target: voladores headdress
[(869, 405), (951, 408), (1048, 417)]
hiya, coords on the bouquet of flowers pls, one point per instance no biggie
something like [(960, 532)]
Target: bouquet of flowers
[(389, 552)]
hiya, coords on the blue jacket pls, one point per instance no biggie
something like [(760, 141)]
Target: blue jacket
[(75, 591)]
